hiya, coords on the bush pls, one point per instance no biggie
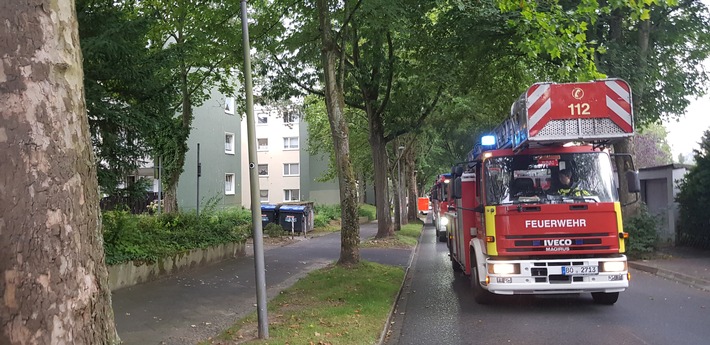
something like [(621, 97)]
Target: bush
[(643, 235), (369, 211), (148, 238), (692, 229), (329, 212), (320, 221), (273, 230)]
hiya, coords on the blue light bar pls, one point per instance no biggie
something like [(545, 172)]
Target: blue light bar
[(488, 140)]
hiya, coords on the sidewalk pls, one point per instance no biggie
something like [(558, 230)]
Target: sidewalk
[(191, 306), (681, 264)]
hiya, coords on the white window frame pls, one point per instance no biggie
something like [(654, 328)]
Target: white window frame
[(289, 167), (229, 105), (290, 116), (263, 192), (259, 170), (288, 194), (229, 149), (265, 117), (229, 184), (260, 147), (288, 143)]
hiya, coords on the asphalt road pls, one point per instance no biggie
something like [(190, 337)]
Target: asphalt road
[(194, 305), (437, 307)]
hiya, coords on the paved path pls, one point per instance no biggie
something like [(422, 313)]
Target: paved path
[(194, 305)]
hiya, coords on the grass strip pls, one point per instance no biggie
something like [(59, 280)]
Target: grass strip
[(407, 237), (333, 305)]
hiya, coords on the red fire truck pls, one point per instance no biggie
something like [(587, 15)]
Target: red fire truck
[(516, 228), (441, 200)]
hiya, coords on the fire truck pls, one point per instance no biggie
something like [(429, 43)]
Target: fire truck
[(441, 201), (515, 228)]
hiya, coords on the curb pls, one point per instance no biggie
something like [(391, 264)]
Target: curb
[(691, 281), (386, 328)]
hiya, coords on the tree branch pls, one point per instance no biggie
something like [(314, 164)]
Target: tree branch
[(390, 74)]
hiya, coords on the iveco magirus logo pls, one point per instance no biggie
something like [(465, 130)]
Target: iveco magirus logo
[(577, 93)]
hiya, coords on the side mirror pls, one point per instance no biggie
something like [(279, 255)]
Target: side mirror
[(479, 209), (457, 188), (456, 170), (633, 181)]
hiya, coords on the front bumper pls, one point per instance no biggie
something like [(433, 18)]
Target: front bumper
[(546, 277)]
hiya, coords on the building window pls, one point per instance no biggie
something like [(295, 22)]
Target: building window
[(229, 105), (262, 144), (291, 195), (229, 143), (229, 184), (263, 170), (291, 143), (264, 195), (290, 116), (262, 119), (291, 169)]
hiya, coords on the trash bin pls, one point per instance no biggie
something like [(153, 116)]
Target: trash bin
[(294, 217), (269, 214)]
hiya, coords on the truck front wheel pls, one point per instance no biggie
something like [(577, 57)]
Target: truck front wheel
[(605, 298), (480, 295)]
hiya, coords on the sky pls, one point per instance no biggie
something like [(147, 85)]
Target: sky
[(684, 135)]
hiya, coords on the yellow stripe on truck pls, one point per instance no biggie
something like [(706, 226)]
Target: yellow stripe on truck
[(490, 215), (620, 225)]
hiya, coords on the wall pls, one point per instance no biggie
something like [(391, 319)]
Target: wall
[(658, 190), (210, 124), (129, 274)]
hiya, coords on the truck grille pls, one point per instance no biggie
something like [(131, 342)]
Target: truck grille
[(536, 243)]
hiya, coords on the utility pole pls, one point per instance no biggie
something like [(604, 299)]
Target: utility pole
[(254, 186)]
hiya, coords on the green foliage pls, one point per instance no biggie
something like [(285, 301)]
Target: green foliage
[(650, 147), (127, 93), (148, 238), (273, 230), (328, 212), (694, 196), (369, 211), (643, 233)]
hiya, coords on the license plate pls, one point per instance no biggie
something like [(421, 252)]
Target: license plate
[(580, 270)]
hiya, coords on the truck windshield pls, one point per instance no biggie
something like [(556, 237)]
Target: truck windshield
[(538, 178)]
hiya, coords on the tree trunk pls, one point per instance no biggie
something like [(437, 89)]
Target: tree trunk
[(380, 163), (402, 189), (396, 190), (335, 103), (53, 277), (180, 138), (411, 183)]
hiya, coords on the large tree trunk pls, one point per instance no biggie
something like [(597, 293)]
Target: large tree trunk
[(53, 277), (335, 103), (411, 183), (380, 163), (396, 190)]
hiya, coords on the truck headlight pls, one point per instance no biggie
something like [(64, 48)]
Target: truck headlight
[(613, 266), (503, 268), (444, 221)]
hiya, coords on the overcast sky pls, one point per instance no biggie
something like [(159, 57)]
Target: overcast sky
[(684, 135)]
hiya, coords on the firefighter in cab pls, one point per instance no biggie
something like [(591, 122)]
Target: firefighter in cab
[(569, 187)]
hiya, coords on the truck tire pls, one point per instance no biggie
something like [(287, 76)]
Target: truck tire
[(605, 298), (442, 237), (455, 264), (480, 295)]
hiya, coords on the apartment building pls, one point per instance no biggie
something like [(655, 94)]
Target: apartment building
[(217, 129), (279, 141)]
